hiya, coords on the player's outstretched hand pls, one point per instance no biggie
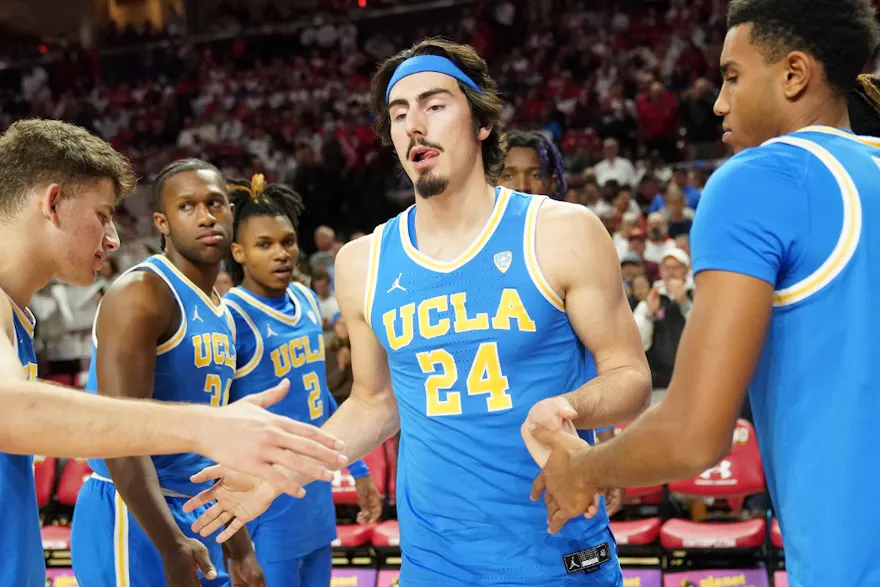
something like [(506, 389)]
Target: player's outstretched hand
[(552, 413), (246, 437), (246, 571), (565, 491), (183, 561), (239, 499), (369, 500)]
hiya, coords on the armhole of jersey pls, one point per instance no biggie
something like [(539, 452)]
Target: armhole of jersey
[(258, 339), (309, 295), (181, 330), (230, 320), (531, 256), (373, 272), (850, 231)]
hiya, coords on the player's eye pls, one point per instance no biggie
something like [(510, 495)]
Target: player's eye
[(437, 107), (399, 117)]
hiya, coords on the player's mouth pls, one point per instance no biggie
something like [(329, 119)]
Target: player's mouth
[(212, 237), (283, 272), (99, 260), (423, 157), (725, 138)]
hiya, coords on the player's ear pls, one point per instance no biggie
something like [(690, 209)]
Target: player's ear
[(237, 253), (484, 132), (799, 69), (161, 222), (50, 197)]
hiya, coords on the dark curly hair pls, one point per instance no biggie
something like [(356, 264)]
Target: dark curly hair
[(486, 105), (841, 34), (255, 198), (864, 106), (549, 157)]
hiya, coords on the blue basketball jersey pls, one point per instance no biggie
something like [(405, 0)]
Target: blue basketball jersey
[(279, 338), (472, 345), (20, 542), (796, 213), (196, 365)]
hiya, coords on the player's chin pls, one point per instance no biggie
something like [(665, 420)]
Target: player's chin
[(79, 276)]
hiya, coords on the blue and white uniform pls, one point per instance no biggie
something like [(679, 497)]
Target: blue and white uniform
[(797, 213), (472, 345), (196, 365), (280, 338)]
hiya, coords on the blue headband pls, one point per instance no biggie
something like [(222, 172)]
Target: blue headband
[(423, 63)]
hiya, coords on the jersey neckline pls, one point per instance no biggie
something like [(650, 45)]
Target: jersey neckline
[(215, 307)]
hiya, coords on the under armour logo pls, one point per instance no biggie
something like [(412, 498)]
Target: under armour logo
[(722, 469), (269, 331), (503, 260), (396, 285), (196, 317)]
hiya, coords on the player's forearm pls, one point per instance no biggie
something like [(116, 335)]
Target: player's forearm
[(136, 481), (655, 449), (613, 397), (364, 423), (44, 419)]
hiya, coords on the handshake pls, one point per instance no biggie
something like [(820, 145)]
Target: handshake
[(553, 442)]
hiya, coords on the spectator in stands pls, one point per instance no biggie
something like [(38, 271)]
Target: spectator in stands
[(661, 316), (700, 122), (339, 375), (658, 243), (640, 287), (658, 120), (628, 221), (631, 266), (326, 300), (533, 165), (614, 167), (323, 257), (679, 218), (624, 203)]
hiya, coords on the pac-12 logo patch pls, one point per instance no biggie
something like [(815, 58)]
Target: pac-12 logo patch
[(502, 261)]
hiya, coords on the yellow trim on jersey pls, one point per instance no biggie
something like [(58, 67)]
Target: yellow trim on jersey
[(531, 256), (216, 307), (249, 298), (475, 247), (120, 542), (850, 231), (830, 130), (25, 317), (309, 295), (373, 273), (258, 351)]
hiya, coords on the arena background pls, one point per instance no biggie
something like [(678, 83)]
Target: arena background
[(625, 90)]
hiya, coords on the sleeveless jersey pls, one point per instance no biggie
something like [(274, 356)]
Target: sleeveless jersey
[(472, 345), (20, 541), (797, 213), (278, 338), (196, 365)]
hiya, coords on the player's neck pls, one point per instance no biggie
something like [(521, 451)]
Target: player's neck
[(204, 276), (259, 289), (830, 111), (456, 212), (24, 270)]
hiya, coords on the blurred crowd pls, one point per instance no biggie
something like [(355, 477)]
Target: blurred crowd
[(625, 89)]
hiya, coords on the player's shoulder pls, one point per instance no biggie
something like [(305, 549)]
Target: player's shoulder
[(139, 288), (777, 168), (353, 258), (567, 223)]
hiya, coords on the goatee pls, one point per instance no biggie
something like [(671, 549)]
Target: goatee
[(430, 185)]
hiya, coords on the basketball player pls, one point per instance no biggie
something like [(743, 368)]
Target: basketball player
[(279, 335), (58, 188), (533, 165), (785, 255), (470, 313), (162, 332)]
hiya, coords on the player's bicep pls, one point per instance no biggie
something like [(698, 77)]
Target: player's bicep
[(717, 354), (132, 318)]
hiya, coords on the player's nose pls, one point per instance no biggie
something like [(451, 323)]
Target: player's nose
[(206, 218), (721, 106), (111, 238), (415, 123)]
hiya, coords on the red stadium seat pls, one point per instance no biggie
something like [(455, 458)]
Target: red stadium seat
[(386, 534), (74, 474), (343, 483), (353, 535), (62, 378), (738, 475), (678, 534), (643, 495), (775, 534), (55, 537), (636, 532), (44, 476)]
